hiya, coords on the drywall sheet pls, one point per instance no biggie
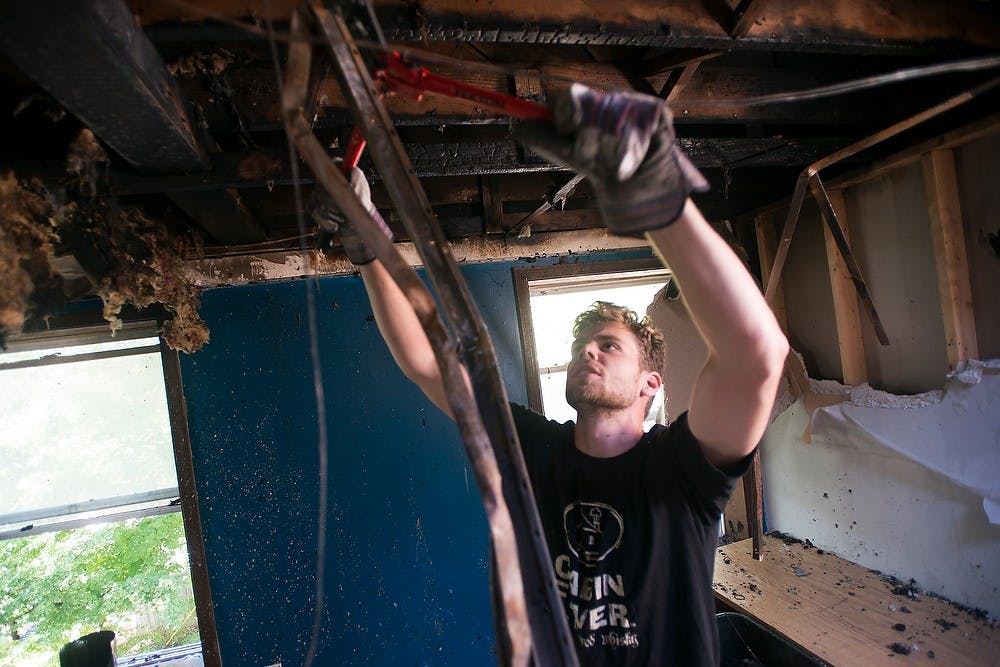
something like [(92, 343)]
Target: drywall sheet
[(955, 431)]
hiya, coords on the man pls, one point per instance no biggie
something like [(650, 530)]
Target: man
[(630, 517)]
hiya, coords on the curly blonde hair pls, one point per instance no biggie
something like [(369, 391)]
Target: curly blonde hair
[(652, 348)]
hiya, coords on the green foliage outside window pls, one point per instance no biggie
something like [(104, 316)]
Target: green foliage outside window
[(131, 577)]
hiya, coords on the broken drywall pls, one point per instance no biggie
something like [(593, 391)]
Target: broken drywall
[(955, 431), (897, 483)]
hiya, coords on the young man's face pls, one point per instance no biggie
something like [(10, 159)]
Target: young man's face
[(605, 371)]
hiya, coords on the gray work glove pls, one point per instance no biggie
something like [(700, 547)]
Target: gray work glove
[(332, 223), (624, 143)]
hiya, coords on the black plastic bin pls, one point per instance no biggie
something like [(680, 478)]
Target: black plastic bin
[(744, 641), (94, 650)]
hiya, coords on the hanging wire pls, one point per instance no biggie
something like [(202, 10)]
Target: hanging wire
[(317, 372)]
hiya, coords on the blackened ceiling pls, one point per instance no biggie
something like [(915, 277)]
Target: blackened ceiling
[(184, 98)]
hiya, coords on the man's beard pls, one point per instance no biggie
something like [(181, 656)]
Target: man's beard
[(597, 396)]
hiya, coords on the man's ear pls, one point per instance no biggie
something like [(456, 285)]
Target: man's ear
[(652, 383)]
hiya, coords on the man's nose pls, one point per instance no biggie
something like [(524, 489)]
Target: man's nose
[(588, 350)]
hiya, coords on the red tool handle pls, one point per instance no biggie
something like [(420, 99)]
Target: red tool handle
[(355, 146), (415, 81)]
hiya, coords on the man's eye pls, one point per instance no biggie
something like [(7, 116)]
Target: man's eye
[(611, 346)]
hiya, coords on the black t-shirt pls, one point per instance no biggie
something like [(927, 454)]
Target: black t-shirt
[(632, 540)]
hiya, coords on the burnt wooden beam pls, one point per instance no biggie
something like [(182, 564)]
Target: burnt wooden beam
[(221, 214), (713, 92), (93, 58), (492, 205), (743, 18), (855, 26), (470, 158)]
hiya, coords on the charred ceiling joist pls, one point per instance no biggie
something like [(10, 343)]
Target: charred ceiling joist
[(209, 138), (96, 62)]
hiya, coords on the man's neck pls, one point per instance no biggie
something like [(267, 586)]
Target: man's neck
[(604, 434)]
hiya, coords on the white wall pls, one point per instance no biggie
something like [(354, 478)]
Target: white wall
[(891, 235), (882, 511)]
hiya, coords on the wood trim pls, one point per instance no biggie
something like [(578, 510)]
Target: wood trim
[(950, 256), (177, 409), (845, 301), (527, 331)]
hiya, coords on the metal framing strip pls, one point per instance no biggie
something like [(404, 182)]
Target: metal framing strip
[(547, 631), (463, 404)]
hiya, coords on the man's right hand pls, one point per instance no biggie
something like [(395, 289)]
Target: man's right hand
[(331, 220), (624, 143)]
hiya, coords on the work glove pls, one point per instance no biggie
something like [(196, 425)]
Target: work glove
[(624, 143), (331, 220)]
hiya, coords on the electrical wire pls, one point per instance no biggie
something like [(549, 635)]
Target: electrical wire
[(317, 373)]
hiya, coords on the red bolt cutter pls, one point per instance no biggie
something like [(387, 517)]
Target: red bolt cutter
[(414, 81)]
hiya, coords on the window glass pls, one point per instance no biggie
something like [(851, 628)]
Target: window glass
[(91, 537), (83, 431), (554, 303)]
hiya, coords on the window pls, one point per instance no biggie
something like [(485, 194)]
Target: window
[(91, 535), (550, 298)]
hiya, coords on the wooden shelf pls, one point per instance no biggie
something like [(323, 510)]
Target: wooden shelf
[(846, 614)]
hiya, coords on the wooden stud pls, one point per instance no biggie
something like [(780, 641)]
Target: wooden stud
[(753, 491), (492, 205), (950, 256), (767, 248), (845, 301), (982, 128), (734, 517)]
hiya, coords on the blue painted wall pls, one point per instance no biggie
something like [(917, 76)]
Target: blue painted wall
[(406, 549)]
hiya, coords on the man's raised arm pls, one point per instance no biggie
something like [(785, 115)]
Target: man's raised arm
[(624, 143), (732, 397), (396, 319)]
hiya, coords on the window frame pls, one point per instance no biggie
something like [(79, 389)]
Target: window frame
[(76, 330), (525, 276)]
